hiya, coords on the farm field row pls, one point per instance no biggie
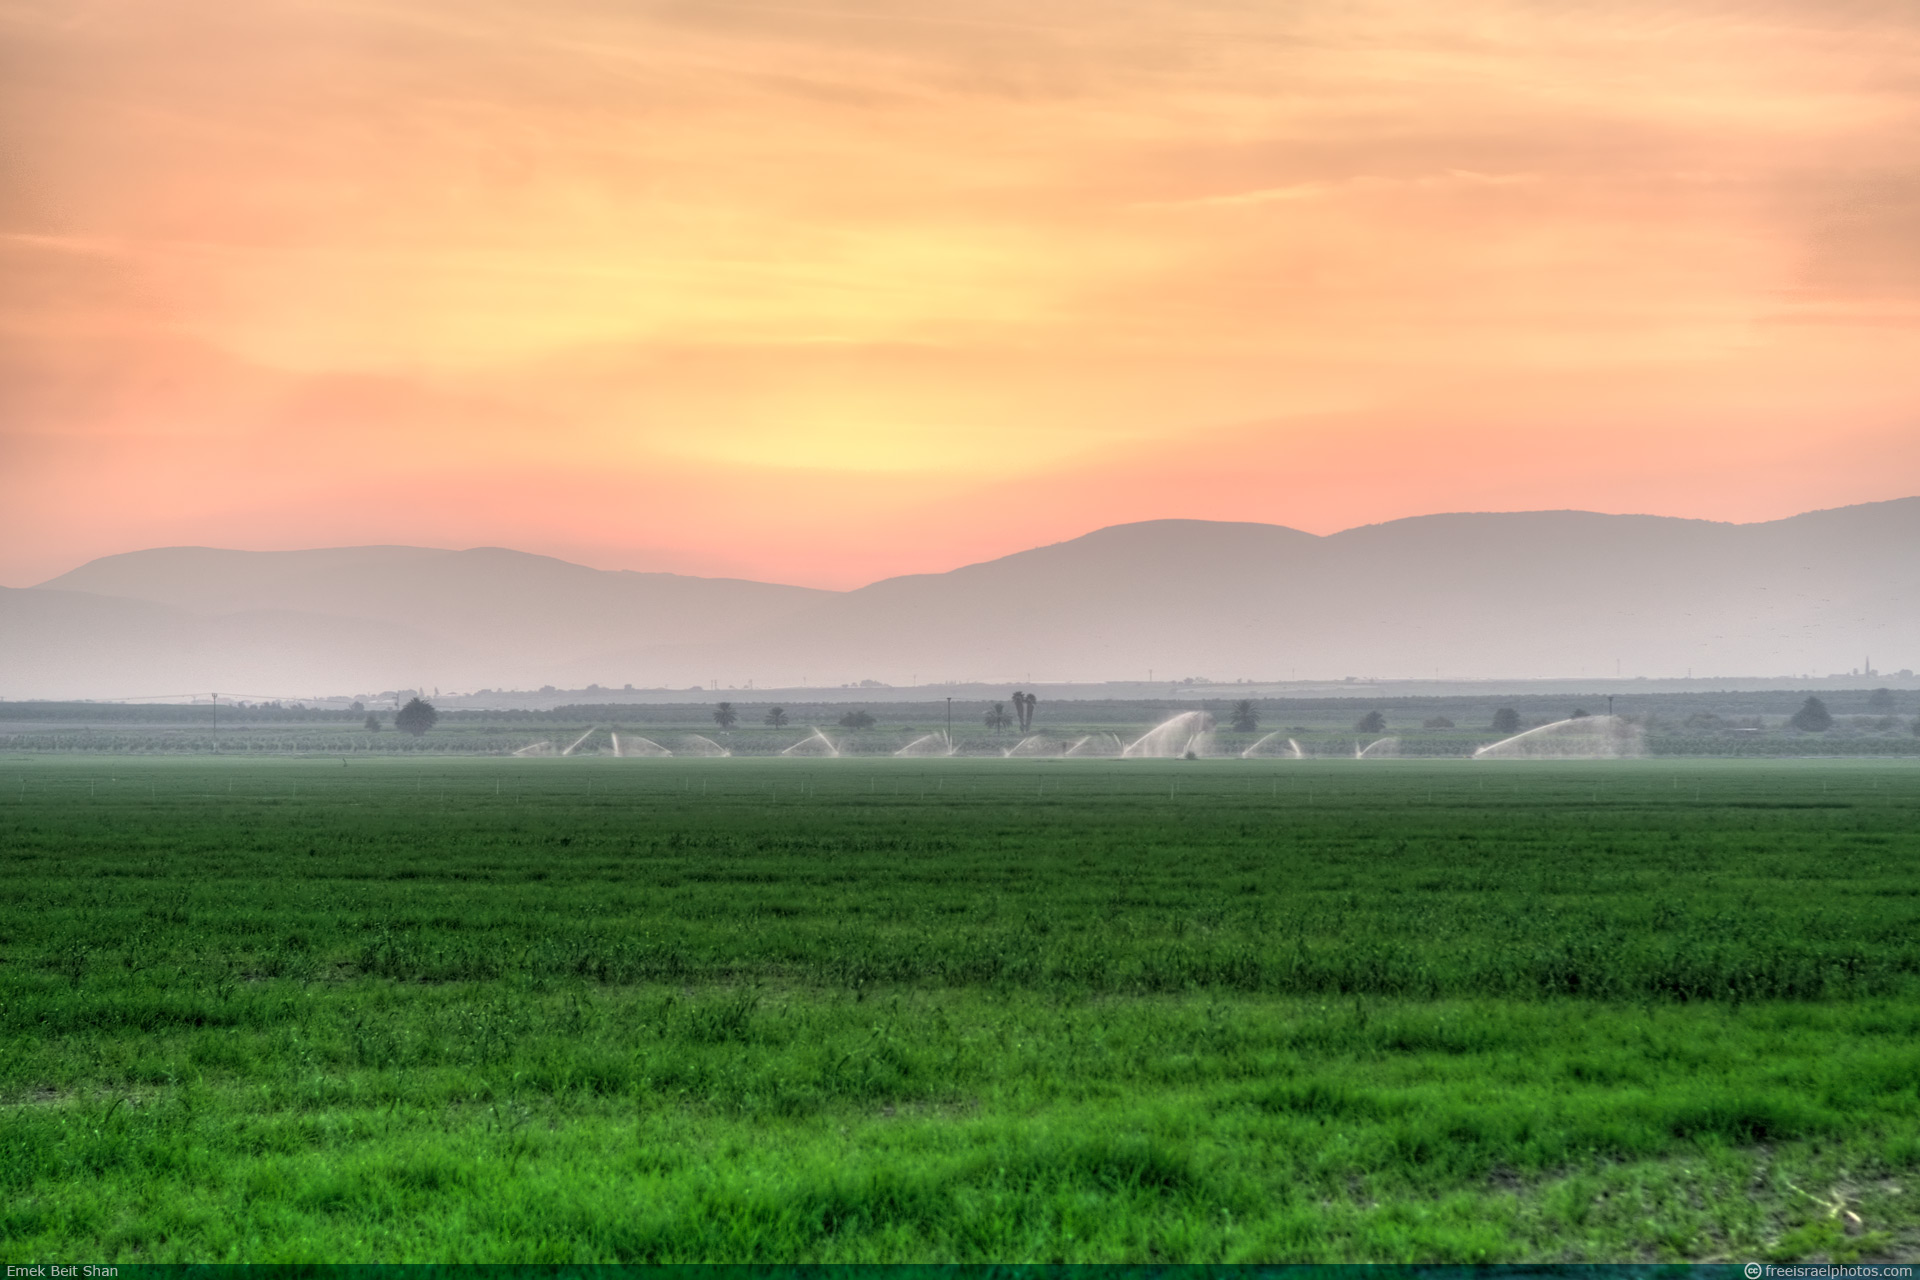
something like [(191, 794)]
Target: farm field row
[(495, 1009)]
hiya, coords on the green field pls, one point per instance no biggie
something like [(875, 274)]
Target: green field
[(597, 1009)]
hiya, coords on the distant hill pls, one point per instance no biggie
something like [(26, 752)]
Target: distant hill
[(1531, 594), (352, 619), (69, 644)]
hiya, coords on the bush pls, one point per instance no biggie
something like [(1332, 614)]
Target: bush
[(416, 717), (1372, 722), (856, 720), (1812, 717), (1506, 720)]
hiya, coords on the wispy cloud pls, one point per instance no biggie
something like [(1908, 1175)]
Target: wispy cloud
[(1360, 183)]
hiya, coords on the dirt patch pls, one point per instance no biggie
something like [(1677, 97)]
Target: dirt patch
[(42, 1096)]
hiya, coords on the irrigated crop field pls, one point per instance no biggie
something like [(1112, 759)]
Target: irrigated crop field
[(599, 1009)]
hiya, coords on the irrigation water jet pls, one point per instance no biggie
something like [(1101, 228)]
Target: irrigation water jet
[(814, 744), (1582, 738), (695, 744), (1189, 733), (932, 744), (1378, 749), (636, 746), (1289, 750)]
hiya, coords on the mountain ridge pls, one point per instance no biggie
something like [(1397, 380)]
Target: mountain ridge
[(1467, 594)]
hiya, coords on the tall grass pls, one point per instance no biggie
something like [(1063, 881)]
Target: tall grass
[(578, 1011)]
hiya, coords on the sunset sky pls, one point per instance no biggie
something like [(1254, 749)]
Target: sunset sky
[(820, 293)]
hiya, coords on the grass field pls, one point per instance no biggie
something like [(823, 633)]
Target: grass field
[(486, 1009)]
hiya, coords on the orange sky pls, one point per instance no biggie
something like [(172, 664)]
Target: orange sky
[(821, 293)]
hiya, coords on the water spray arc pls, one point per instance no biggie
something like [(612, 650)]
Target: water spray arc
[(814, 744), (1582, 738), (1289, 750), (1189, 733)]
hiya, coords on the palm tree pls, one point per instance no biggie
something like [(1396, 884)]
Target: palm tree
[(998, 719), (777, 717), (1245, 719), (725, 716)]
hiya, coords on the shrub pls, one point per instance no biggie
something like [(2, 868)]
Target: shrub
[(1812, 717), (416, 717)]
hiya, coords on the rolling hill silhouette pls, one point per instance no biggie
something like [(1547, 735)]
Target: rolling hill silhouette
[(1530, 594)]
